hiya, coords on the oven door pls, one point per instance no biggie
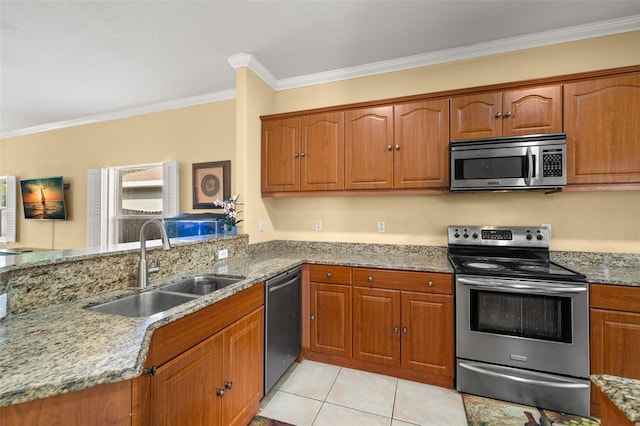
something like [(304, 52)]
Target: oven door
[(536, 325)]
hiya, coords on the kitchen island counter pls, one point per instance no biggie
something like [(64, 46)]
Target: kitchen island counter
[(623, 393), (65, 347)]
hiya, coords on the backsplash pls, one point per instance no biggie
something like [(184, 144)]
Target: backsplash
[(36, 286)]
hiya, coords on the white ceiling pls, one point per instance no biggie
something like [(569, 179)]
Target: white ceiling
[(72, 60)]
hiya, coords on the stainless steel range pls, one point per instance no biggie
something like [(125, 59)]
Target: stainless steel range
[(522, 321)]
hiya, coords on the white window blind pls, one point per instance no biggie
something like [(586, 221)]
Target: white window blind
[(8, 209)]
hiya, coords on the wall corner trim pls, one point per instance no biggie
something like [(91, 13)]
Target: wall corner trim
[(247, 60)]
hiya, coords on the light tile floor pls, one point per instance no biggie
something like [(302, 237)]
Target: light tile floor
[(315, 394)]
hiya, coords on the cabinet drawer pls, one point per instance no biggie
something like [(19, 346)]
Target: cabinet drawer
[(615, 297), (330, 274), (430, 282)]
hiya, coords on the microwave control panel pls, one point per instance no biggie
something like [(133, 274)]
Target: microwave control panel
[(552, 164)]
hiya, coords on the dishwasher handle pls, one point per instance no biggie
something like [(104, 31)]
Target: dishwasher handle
[(283, 279)]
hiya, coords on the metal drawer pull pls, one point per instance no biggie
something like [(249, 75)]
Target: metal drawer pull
[(507, 114), (296, 155), (522, 379), (302, 154), (498, 114), (430, 283), (329, 274), (370, 278), (220, 392), (397, 146), (404, 330), (395, 329), (389, 147), (228, 385), (313, 317)]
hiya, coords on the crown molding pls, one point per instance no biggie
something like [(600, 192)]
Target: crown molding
[(569, 34), (247, 60), (130, 112)]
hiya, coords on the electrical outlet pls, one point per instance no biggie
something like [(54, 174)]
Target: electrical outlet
[(318, 225), (548, 226), (381, 226), (223, 254), (261, 225), (3, 305)]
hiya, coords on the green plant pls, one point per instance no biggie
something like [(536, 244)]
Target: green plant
[(230, 217)]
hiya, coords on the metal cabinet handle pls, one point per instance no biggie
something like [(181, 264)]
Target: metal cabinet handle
[(389, 147), (507, 114), (296, 155), (329, 274), (302, 154), (220, 392), (397, 146), (228, 385), (370, 278), (404, 330), (430, 283), (395, 329), (313, 317), (498, 114)]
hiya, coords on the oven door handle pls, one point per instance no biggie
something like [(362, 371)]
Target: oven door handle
[(522, 288), (522, 379)]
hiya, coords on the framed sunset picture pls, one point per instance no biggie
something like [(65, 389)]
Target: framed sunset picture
[(43, 198)]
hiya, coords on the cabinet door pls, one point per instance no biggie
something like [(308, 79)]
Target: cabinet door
[(376, 325), (242, 372), (330, 314), (421, 145), (369, 148), (476, 116), (280, 155), (322, 152), (615, 345), (427, 333), (602, 118), (532, 111), (184, 389)]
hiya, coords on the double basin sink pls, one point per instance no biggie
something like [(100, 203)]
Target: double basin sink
[(166, 297)]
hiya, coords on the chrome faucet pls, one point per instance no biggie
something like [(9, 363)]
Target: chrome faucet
[(142, 264)]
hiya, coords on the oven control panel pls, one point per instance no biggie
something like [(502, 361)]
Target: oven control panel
[(512, 236)]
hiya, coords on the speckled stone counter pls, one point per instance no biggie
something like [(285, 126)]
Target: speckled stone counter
[(51, 349), (602, 268), (66, 347), (624, 393)]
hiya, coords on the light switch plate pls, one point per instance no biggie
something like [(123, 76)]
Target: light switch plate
[(223, 254), (3, 305), (381, 226), (318, 225)]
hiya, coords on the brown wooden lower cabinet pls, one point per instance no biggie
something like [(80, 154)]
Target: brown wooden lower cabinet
[(398, 323), (330, 319), (404, 329), (610, 415), (615, 334), (105, 405)]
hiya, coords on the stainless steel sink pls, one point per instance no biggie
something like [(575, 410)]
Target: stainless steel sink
[(204, 284), (143, 304), (166, 297)]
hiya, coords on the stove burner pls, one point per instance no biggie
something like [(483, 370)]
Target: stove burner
[(482, 265)]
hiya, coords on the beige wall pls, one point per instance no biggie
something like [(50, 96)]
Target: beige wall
[(190, 135), (598, 221), (595, 221)]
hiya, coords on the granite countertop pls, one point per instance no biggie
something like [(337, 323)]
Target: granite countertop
[(66, 347), (624, 393)]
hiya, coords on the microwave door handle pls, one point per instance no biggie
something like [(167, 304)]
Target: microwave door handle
[(523, 379), (529, 177)]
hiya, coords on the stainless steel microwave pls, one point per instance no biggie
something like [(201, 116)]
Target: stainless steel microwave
[(510, 163)]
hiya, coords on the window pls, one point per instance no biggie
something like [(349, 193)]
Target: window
[(121, 199), (7, 209)]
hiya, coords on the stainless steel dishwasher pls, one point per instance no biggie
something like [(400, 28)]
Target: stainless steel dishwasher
[(282, 323)]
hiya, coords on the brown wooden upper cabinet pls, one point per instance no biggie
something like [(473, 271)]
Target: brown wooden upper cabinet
[(508, 113), (602, 122), (303, 154), (398, 146)]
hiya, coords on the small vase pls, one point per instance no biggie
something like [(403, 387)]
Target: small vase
[(230, 230)]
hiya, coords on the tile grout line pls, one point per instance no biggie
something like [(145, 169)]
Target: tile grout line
[(326, 396)]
